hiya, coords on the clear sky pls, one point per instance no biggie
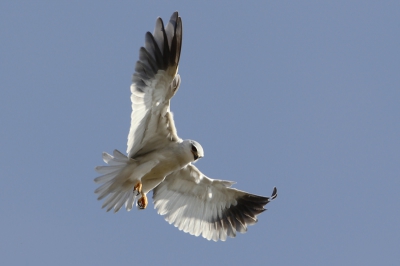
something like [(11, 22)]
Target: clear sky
[(302, 95)]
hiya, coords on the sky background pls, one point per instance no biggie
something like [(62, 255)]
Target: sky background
[(301, 95)]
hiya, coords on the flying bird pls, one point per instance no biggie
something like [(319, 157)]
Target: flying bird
[(158, 160)]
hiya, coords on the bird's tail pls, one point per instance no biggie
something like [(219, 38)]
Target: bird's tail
[(116, 185)]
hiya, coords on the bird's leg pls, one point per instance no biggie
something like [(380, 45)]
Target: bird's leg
[(142, 202), (138, 188)]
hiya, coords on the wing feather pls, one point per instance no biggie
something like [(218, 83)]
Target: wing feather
[(154, 83), (203, 206)]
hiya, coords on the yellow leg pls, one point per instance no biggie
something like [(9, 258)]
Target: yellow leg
[(138, 187), (142, 202)]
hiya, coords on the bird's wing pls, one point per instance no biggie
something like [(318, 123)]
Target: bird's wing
[(155, 81), (203, 206)]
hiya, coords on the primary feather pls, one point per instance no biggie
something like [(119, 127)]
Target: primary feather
[(155, 81), (162, 162)]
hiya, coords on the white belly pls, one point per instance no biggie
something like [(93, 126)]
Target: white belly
[(164, 163)]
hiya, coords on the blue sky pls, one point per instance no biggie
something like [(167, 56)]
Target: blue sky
[(302, 95)]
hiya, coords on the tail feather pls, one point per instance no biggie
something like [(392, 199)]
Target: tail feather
[(103, 188), (107, 158), (118, 156), (131, 200), (108, 169), (110, 199), (103, 195), (114, 186), (112, 204), (121, 201), (105, 178)]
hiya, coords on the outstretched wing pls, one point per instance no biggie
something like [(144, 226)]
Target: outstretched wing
[(155, 81), (199, 205)]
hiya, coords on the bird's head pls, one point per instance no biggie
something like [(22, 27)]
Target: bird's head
[(195, 149)]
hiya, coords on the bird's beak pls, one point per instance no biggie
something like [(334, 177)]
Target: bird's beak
[(195, 155)]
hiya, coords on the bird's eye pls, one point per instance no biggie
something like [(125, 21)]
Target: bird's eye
[(194, 149), (194, 152)]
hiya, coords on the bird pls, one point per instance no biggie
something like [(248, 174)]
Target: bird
[(158, 160)]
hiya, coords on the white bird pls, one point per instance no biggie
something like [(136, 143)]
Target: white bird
[(159, 160)]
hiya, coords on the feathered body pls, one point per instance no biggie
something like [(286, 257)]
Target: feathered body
[(159, 161)]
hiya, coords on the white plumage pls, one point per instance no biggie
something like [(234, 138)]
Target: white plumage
[(159, 160)]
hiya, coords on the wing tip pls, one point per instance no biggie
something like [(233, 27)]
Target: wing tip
[(274, 194)]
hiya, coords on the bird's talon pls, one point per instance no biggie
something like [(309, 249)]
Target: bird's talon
[(142, 202)]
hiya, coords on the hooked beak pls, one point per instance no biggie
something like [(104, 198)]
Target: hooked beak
[(195, 155)]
